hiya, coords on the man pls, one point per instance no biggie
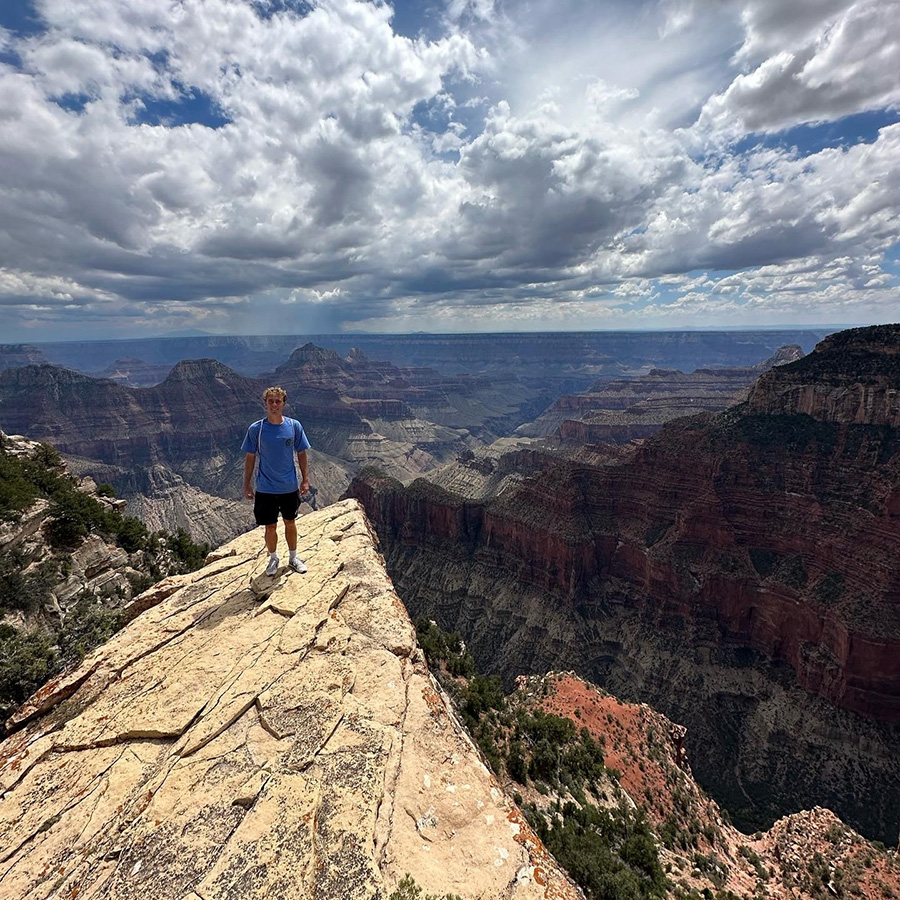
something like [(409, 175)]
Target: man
[(274, 440)]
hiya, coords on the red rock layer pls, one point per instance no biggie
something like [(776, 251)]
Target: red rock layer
[(781, 533)]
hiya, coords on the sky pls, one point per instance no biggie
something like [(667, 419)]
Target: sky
[(321, 166)]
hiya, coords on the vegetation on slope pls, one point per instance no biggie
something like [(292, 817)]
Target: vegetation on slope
[(30, 656), (583, 818)]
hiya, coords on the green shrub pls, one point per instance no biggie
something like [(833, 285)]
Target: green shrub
[(17, 492), (830, 589), (190, 555), (131, 534), (87, 625), (792, 572), (407, 889), (25, 592), (610, 854), (27, 660), (483, 693), (75, 515)]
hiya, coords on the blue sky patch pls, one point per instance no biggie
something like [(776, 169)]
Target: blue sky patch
[(861, 128), (20, 17), (73, 102), (266, 9), (192, 107), (415, 19)]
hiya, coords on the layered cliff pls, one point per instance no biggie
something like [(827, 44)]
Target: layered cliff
[(254, 736), (853, 378), (622, 410), (170, 446), (755, 554)]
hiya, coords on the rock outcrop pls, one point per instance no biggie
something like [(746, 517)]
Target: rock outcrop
[(94, 566), (755, 553), (799, 857), (623, 410), (254, 736), (168, 502), (134, 372), (15, 355), (854, 378), (156, 443)]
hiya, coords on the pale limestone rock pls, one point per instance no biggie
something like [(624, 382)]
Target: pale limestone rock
[(93, 555), (260, 737)]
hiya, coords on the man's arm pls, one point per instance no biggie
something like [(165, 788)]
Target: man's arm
[(249, 463), (304, 472)]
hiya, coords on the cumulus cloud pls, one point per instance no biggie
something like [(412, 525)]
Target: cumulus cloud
[(237, 166), (813, 61)]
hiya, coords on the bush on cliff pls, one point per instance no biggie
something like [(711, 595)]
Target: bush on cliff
[(88, 625), (21, 591), (27, 660), (611, 855), (28, 657)]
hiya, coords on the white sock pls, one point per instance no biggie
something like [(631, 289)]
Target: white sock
[(293, 554)]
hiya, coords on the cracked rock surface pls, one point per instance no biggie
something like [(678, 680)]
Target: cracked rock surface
[(259, 737)]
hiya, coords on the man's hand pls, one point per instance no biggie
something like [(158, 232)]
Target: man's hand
[(304, 487), (248, 493)]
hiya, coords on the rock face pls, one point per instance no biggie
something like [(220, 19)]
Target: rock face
[(735, 565), (168, 502), (134, 372), (155, 444), (254, 736), (624, 410), (853, 379), (94, 566), (700, 849), (14, 355)]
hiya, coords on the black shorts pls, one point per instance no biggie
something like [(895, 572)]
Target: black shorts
[(267, 506)]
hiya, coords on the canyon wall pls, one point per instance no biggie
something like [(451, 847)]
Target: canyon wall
[(734, 566)]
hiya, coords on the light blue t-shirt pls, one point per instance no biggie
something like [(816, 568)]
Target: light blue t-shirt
[(275, 448)]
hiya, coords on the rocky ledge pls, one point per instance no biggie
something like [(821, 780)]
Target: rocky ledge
[(253, 736), (852, 378)]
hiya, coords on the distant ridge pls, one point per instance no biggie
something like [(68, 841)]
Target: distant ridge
[(583, 356)]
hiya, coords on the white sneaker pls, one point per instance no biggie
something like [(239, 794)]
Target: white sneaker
[(298, 565), (272, 567)]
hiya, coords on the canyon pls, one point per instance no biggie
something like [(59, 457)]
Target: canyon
[(248, 735), (568, 360), (623, 410), (740, 572), (173, 449), (165, 429)]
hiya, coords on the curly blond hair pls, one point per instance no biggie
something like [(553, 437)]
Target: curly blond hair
[(274, 392)]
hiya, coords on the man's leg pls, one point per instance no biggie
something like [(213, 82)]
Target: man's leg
[(265, 508), (272, 536), (290, 533), (289, 507)]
